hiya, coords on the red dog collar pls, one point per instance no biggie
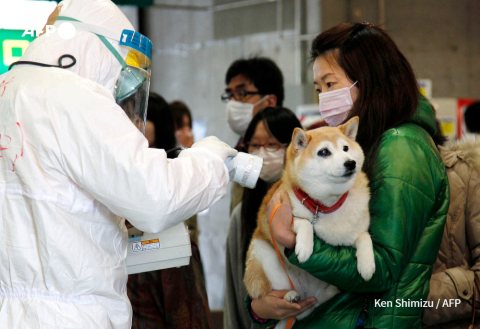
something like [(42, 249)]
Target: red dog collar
[(314, 206)]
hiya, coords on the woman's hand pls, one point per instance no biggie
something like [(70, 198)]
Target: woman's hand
[(273, 306), (282, 220)]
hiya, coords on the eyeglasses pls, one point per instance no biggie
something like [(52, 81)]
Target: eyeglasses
[(237, 95), (272, 147)]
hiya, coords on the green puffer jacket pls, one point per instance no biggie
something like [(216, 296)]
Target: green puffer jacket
[(408, 208)]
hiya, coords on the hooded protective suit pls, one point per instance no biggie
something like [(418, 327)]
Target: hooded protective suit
[(72, 164)]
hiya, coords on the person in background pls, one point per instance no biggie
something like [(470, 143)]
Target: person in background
[(456, 272), (175, 297), (472, 120), (159, 128), (182, 119), (252, 85), (268, 135), (359, 71), (183, 123)]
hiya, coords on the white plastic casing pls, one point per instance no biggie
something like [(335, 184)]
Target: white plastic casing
[(244, 169), (157, 251)]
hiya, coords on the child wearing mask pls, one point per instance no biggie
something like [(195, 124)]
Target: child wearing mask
[(268, 135)]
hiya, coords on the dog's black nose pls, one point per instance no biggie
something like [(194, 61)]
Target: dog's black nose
[(350, 164)]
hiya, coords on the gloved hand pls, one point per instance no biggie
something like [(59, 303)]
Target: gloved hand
[(214, 145)]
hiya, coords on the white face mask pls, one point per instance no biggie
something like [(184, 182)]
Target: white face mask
[(335, 105), (239, 115), (272, 164)]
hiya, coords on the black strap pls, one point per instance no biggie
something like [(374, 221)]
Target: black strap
[(60, 64)]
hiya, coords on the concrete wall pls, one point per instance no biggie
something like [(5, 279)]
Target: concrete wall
[(440, 38), (194, 46)]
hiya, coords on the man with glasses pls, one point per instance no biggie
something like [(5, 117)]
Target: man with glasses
[(252, 85)]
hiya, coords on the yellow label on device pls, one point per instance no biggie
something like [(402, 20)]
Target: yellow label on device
[(150, 241), (139, 246)]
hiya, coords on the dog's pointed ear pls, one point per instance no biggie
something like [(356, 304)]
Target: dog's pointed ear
[(350, 128), (299, 139)]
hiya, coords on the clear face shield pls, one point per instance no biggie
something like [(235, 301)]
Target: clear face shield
[(135, 102), (133, 84)]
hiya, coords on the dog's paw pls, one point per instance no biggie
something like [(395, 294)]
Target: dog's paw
[(366, 267), (292, 296), (304, 249), (365, 256)]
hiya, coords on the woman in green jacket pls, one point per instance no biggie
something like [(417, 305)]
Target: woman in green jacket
[(359, 71)]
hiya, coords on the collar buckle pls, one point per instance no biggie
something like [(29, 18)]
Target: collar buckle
[(315, 216), (305, 198)]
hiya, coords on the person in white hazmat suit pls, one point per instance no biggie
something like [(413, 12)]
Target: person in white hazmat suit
[(72, 165)]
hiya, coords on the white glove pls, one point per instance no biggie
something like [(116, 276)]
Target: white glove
[(214, 145)]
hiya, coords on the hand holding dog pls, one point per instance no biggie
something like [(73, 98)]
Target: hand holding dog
[(273, 306), (282, 220)]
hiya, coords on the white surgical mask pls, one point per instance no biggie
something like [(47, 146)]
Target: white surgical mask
[(335, 105), (239, 115), (272, 164)]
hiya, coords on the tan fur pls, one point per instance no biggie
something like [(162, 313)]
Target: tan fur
[(256, 280), (257, 283), (314, 137)]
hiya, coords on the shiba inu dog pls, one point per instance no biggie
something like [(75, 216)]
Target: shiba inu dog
[(329, 195)]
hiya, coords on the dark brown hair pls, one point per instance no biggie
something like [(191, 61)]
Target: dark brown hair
[(160, 115), (262, 72), (179, 110), (388, 89)]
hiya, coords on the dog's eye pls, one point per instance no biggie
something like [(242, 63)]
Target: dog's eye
[(345, 148), (324, 152)]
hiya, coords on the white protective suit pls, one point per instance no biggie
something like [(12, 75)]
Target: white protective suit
[(72, 164)]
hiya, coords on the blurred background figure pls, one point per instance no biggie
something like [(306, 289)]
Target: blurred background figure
[(174, 297), (159, 128), (472, 120), (182, 118), (268, 136)]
